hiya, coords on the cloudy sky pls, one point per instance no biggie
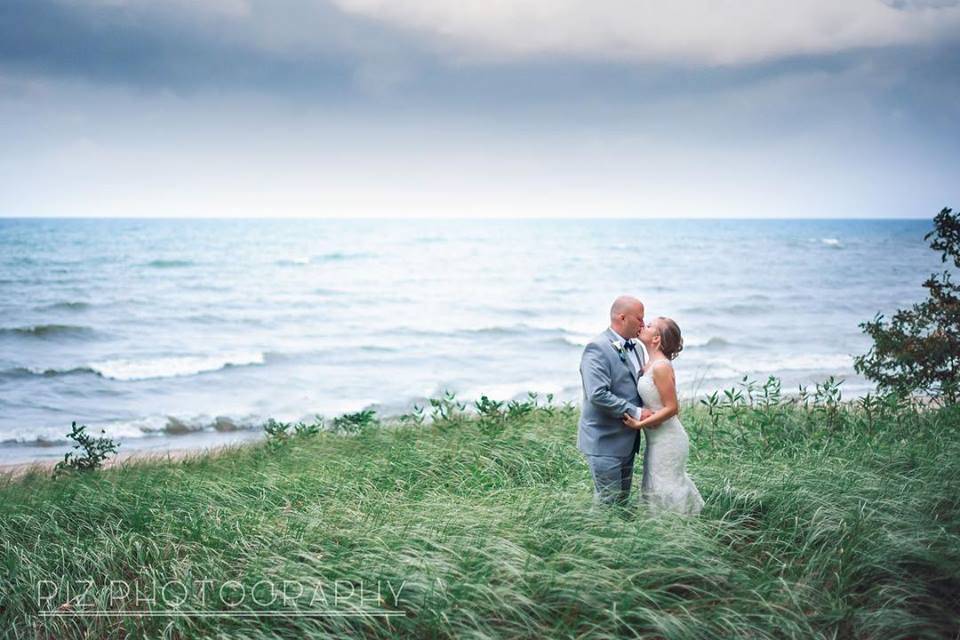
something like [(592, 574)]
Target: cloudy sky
[(607, 108)]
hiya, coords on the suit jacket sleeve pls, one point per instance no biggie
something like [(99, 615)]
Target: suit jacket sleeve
[(595, 373)]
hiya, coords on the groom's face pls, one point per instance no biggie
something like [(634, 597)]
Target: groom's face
[(633, 321)]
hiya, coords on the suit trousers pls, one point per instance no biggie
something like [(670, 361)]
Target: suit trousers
[(612, 478)]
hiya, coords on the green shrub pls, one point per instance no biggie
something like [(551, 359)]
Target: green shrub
[(278, 433), (93, 451), (355, 422), (919, 349)]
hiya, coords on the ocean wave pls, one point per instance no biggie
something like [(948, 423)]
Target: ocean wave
[(377, 348), (65, 306), (498, 330), (212, 318), (714, 342), (832, 242), (48, 331), (515, 391), (31, 372), (807, 362), (572, 340), (292, 262), (333, 256), (737, 368), (221, 424), (524, 328), (30, 441), (736, 309), (173, 366), (170, 264), (146, 427)]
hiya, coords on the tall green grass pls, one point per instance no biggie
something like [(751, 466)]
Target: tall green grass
[(823, 520)]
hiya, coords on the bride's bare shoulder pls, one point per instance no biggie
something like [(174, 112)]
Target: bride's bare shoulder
[(662, 373)]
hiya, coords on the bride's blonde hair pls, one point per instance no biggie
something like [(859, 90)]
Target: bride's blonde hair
[(671, 341)]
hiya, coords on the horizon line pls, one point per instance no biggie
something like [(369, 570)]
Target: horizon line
[(472, 218)]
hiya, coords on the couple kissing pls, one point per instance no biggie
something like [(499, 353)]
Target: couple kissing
[(629, 388)]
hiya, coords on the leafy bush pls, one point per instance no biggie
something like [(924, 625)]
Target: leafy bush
[(416, 417), (447, 409), (487, 408), (312, 429), (93, 451), (919, 349), (520, 408), (278, 433), (355, 422), (492, 416)]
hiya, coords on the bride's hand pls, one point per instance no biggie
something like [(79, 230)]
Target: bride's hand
[(631, 422)]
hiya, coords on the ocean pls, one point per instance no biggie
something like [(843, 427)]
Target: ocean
[(187, 333)]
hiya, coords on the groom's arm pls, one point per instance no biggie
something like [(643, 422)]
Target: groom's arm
[(596, 384)]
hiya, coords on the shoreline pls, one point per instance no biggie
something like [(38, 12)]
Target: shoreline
[(13, 470), (179, 446)]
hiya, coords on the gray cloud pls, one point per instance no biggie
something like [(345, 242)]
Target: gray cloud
[(281, 44), (690, 31), (362, 105), (339, 47)]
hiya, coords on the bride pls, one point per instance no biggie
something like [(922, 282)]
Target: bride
[(666, 485)]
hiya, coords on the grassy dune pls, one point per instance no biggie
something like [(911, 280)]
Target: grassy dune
[(826, 520)]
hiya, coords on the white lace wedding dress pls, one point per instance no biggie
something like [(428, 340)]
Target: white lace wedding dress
[(666, 485)]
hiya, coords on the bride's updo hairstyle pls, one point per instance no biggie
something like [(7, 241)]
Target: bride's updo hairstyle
[(671, 342)]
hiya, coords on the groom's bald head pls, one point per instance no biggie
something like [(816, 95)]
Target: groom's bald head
[(624, 305), (626, 316)]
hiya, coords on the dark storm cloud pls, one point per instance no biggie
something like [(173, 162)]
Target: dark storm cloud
[(313, 49), (149, 47)]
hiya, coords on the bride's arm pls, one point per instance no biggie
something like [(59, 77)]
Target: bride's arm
[(666, 384)]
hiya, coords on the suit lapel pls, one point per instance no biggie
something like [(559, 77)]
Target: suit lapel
[(611, 336)]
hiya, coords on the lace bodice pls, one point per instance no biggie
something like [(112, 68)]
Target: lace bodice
[(647, 388)]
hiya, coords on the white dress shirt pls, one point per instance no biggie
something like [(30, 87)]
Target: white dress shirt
[(635, 359), (632, 353)]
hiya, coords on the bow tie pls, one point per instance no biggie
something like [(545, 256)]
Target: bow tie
[(628, 344)]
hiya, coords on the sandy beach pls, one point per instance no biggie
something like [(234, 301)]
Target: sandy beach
[(18, 469)]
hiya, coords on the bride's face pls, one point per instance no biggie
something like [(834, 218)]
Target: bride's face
[(650, 334)]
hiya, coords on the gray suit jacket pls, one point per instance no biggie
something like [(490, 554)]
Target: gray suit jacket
[(609, 391)]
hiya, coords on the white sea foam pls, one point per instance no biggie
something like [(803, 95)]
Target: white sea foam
[(512, 391), (58, 434), (738, 367), (577, 339), (713, 342), (831, 242), (172, 366), (337, 407)]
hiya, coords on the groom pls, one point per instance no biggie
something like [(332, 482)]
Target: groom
[(609, 368)]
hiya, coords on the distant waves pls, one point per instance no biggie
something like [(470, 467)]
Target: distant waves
[(148, 368), (164, 330), (170, 367), (148, 427), (43, 331)]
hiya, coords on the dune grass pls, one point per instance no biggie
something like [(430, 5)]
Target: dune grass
[(823, 520)]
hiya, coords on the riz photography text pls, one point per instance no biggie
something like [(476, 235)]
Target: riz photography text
[(342, 594)]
